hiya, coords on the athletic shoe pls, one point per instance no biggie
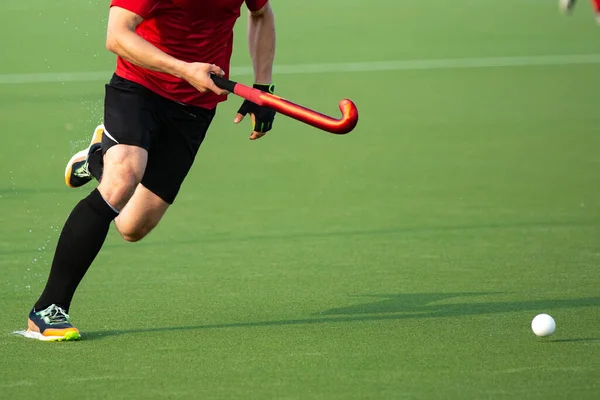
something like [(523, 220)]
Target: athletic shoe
[(566, 6), (77, 172), (51, 324)]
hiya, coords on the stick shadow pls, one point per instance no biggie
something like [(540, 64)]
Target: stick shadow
[(389, 307), (574, 340)]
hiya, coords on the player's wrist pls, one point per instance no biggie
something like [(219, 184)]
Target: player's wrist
[(180, 69)]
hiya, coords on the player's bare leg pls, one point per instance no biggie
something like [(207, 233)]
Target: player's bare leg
[(141, 214), (124, 168)]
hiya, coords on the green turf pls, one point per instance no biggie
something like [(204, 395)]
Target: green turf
[(405, 260)]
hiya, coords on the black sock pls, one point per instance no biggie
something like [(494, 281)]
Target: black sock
[(96, 164), (80, 241)]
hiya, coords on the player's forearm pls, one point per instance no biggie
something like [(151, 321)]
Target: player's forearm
[(135, 49), (261, 42)]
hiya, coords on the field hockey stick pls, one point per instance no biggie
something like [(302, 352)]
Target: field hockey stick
[(300, 113)]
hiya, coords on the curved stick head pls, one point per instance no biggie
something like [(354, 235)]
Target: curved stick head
[(349, 116)]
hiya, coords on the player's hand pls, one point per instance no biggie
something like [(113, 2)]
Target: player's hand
[(262, 117), (198, 75)]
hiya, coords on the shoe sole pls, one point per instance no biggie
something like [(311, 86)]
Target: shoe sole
[(69, 336), (82, 155)]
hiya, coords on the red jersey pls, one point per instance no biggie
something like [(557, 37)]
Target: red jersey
[(189, 30)]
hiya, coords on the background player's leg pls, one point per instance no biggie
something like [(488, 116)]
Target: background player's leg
[(566, 5), (86, 228), (596, 5), (141, 214)]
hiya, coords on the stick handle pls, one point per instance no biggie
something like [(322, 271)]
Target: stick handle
[(223, 83)]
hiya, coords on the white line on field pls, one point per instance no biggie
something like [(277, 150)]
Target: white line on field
[(400, 65)]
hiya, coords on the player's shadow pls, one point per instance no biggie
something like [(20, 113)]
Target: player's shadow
[(391, 307)]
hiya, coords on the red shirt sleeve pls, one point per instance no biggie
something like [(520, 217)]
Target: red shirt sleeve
[(255, 5), (140, 7)]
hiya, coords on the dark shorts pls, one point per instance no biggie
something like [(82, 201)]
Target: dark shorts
[(171, 132)]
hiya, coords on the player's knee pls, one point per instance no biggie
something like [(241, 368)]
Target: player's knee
[(118, 190)]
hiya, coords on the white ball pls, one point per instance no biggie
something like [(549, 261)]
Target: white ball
[(543, 325)]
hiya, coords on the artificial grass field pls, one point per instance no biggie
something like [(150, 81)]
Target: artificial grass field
[(405, 260)]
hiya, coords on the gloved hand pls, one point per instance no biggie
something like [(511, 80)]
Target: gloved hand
[(262, 117)]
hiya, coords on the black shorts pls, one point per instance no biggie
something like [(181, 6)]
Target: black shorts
[(171, 132)]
